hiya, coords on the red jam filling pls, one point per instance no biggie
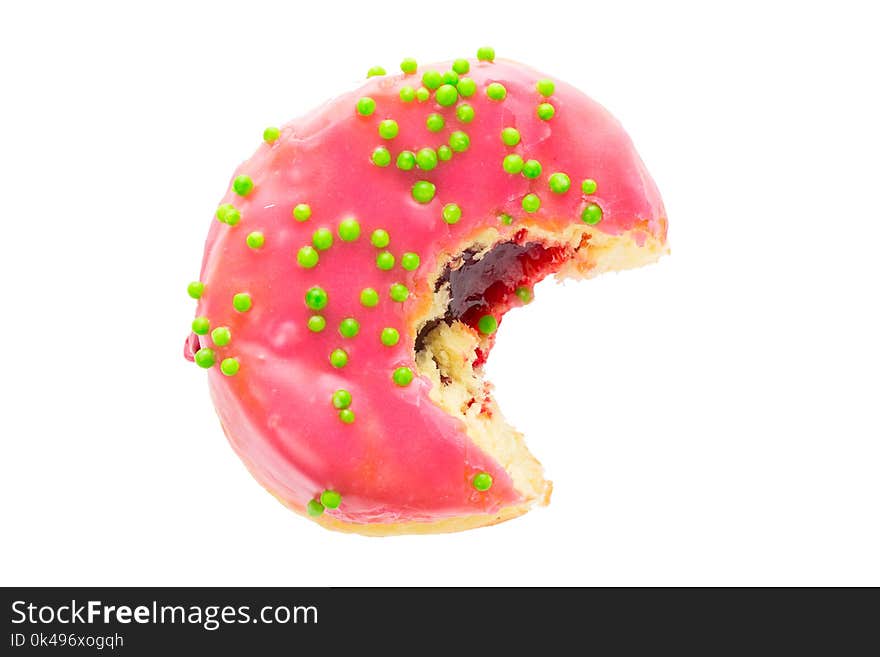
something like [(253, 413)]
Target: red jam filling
[(190, 347), (488, 285)]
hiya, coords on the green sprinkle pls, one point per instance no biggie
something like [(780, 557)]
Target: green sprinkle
[(402, 376), (446, 95), (545, 88), (426, 158), (346, 415), (525, 294), (461, 66), (487, 324), (432, 79), (486, 54), (434, 122), (389, 336), (510, 136), (229, 366), (380, 238), (465, 113), (422, 94), (374, 71), (341, 399), (482, 481), (307, 257), (255, 240), (222, 210), (316, 298), (406, 160), (242, 302), (221, 336), (271, 134), (338, 358), (451, 213), (381, 157), (589, 186), (233, 217), (322, 239), (201, 326), (466, 87), (559, 183), (242, 185), (302, 212), (409, 65), (496, 91), (195, 289), (410, 261), (407, 94), (592, 214), (349, 327), (459, 141), (388, 129), (349, 229), (317, 323), (444, 153), (369, 297), (398, 292), (546, 111), (531, 203), (532, 169), (450, 77), (205, 357), (366, 106), (228, 214), (314, 508), (423, 191), (331, 499), (505, 218), (512, 163), (385, 261)]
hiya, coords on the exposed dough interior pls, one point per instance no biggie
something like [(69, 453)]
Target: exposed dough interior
[(451, 351)]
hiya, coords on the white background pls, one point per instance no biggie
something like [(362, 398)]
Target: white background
[(712, 419)]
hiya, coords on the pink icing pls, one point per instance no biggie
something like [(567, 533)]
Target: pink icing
[(403, 459)]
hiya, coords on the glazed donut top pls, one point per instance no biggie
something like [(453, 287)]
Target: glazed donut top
[(324, 251)]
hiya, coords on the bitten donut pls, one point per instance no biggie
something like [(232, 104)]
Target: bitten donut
[(360, 264)]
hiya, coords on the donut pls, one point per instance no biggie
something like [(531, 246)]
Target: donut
[(358, 268)]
